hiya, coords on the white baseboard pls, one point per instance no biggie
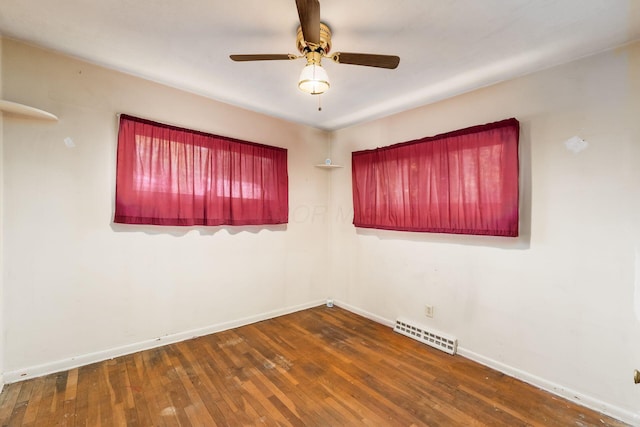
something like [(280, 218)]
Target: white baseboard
[(557, 389), (366, 314), (86, 359)]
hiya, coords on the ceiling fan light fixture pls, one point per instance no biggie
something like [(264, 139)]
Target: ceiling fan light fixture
[(313, 41), (313, 79)]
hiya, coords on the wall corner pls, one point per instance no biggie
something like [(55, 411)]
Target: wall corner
[(2, 311)]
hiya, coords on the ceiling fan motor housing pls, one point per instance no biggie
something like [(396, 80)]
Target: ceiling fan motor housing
[(325, 41)]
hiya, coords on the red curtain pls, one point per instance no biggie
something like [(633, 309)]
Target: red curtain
[(463, 182), (172, 176)]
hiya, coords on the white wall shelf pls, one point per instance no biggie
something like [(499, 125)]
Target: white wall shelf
[(25, 111), (332, 166)]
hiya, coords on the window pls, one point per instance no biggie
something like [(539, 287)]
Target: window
[(462, 182), (172, 176)]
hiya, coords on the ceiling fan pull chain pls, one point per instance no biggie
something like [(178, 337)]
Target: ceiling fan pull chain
[(319, 103)]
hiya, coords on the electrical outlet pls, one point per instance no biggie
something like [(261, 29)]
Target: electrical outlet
[(428, 310)]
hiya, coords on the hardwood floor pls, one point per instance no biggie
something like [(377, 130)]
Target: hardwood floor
[(319, 367)]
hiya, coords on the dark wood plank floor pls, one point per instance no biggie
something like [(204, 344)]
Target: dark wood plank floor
[(319, 367)]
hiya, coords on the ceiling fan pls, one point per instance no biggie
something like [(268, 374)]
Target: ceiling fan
[(314, 43)]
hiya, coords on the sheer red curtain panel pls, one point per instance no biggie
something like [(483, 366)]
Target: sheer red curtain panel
[(461, 182), (168, 175)]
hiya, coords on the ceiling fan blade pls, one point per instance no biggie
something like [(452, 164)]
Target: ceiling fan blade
[(366, 59), (261, 57), (309, 14)]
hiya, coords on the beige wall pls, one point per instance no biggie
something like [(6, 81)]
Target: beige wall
[(78, 287), (559, 306), (555, 306), (2, 310)]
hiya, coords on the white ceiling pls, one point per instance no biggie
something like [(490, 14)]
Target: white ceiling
[(446, 47)]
